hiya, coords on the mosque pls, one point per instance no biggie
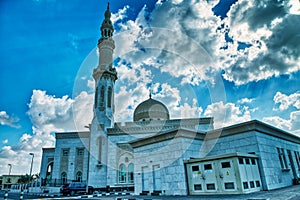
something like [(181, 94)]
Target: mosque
[(154, 154)]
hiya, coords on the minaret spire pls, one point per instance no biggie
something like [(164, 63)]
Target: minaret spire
[(105, 74)]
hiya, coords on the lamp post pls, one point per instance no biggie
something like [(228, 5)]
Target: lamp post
[(9, 165), (32, 154)]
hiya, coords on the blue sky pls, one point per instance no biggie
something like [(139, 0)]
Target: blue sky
[(234, 60)]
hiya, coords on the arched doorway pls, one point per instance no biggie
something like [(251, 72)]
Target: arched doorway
[(79, 176), (49, 172)]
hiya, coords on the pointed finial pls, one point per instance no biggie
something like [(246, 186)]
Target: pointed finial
[(150, 94), (108, 6)]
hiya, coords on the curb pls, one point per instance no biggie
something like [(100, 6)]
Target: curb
[(106, 194), (50, 196)]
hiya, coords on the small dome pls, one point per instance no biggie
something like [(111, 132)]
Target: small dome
[(151, 110)]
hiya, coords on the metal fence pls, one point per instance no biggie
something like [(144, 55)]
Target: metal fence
[(56, 182)]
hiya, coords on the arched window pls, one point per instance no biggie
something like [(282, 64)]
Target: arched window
[(109, 97), (49, 172), (63, 178), (130, 173), (122, 173), (79, 176), (102, 98)]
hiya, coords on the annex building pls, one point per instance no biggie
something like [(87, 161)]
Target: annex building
[(160, 155)]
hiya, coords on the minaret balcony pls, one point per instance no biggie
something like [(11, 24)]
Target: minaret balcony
[(104, 73)]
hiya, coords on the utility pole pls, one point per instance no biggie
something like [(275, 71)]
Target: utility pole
[(9, 171), (32, 154)]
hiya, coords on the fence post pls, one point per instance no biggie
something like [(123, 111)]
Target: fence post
[(21, 194), (6, 195)]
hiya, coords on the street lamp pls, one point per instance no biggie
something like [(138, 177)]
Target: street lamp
[(32, 154), (9, 169)]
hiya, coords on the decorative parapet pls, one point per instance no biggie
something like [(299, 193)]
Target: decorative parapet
[(154, 126), (67, 135)]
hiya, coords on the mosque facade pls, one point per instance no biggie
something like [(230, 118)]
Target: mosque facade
[(155, 154)]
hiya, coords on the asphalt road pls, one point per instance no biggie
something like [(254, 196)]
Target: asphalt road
[(17, 195), (288, 193)]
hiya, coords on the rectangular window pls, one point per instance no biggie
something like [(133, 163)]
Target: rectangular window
[(80, 152), (208, 167), (247, 161), (109, 97), (65, 152), (253, 162), (229, 186), (297, 156), (197, 187), (195, 168), (210, 186), (100, 150), (96, 97), (257, 183), (101, 103), (225, 164), (245, 185), (241, 161), (252, 184), (282, 158)]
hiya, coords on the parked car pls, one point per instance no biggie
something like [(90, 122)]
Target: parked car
[(75, 188)]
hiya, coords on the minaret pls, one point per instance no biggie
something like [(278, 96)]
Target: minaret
[(105, 75)]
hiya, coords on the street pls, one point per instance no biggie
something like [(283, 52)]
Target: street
[(287, 193)]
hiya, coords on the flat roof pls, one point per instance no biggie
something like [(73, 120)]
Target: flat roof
[(253, 125), (217, 157)]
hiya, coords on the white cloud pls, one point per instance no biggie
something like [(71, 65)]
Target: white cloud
[(7, 120), (227, 114), (245, 101), (5, 141), (295, 121), (294, 7), (120, 15), (47, 109), (190, 111), (285, 101), (83, 110), (269, 29), (189, 40), (178, 39), (48, 114), (291, 125), (91, 84)]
